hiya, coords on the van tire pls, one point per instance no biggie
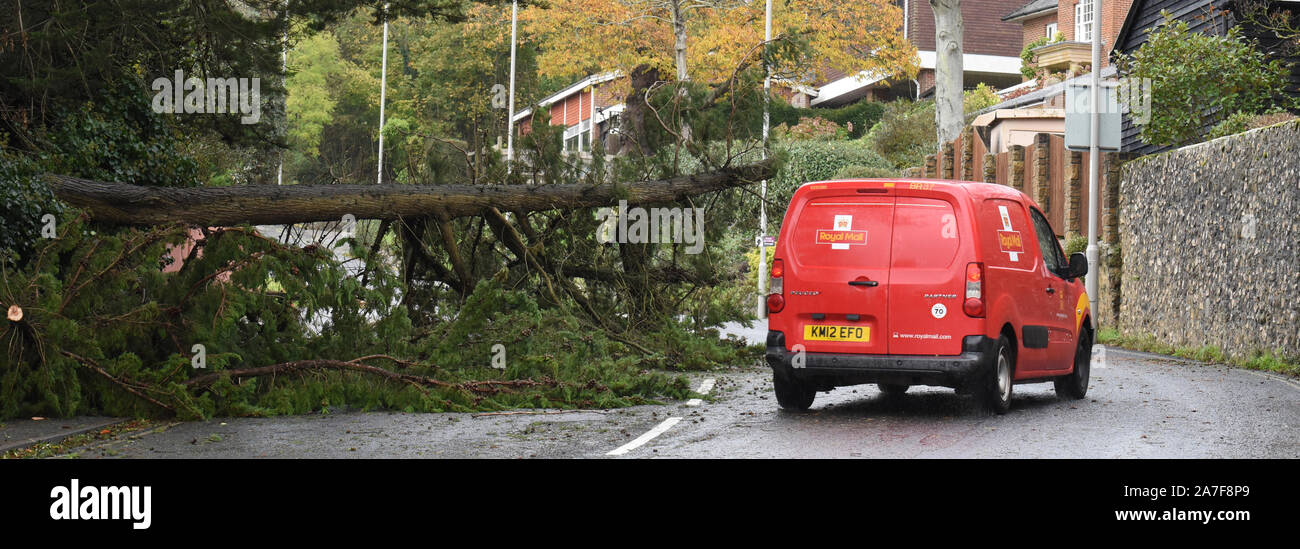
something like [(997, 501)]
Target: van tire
[(793, 394), (893, 389), (1075, 385), (997, 384)]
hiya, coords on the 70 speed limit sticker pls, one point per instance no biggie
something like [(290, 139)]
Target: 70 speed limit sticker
[(938, 310)]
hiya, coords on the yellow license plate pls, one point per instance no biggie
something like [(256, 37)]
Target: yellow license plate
[(826, 332)]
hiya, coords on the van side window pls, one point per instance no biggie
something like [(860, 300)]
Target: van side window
[(1053, 257)]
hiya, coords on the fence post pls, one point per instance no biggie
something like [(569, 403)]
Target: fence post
[(947, 152), (1040, 171), (1073, 194), (1016, 168), (968, 156), (990, 168)]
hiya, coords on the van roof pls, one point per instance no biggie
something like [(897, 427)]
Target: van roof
[(974, 189)]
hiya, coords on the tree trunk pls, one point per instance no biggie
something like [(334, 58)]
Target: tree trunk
[(679, 44), (948, 28), (283, 204)]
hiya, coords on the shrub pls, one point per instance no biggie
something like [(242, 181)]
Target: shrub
[(1239, 122), (855, 118), (853, 171), (1195, 77), (905, 133), (815, 161), (1028, 61), (810, 128), (1075, 243)]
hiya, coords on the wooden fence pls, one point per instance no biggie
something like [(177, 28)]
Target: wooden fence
[(1056, 178)]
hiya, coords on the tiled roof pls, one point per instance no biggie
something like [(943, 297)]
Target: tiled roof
[(1034, 6)]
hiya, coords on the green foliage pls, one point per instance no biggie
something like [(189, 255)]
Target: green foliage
[(1075, 243), (978, 99), (855, 118), (1028, 60), (1263, 360), (816, 161), (117, 137), (810, 128), (1239, 122), (905, 133), (855, 171), (310, 106), (24, 201), (1196, 76)]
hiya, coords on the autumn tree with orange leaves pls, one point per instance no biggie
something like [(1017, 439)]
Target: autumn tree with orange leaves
[(708, 39)]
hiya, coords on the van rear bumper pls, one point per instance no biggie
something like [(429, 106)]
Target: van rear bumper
[(828, 370)]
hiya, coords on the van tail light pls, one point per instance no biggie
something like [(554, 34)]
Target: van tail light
[(775, 299), (974, 304)]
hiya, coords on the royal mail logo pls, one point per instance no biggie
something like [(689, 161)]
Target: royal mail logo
[(1009, 241), (841, 237)]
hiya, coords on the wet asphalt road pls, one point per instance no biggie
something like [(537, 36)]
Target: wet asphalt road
[(1138, 406)]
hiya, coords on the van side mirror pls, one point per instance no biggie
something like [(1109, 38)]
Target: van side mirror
[(1078, 265)]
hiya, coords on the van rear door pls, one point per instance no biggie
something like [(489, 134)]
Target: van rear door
[(927, 275), (837, 270)]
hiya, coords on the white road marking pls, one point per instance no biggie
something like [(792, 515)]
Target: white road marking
[(705, 387), (658, 430)]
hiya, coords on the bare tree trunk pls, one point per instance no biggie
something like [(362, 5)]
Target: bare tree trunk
[(284, 204), (679, 34), (948, 28)]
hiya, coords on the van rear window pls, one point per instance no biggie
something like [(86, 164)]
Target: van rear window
[(848, 231), (926, 234)]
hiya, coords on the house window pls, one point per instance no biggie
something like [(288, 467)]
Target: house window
[(1083, 21), (578, 137), (1050, 31)]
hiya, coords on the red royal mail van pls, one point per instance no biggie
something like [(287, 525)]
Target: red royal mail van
[(922, 282)]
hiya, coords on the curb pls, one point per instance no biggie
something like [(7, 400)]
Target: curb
[(8, 445)]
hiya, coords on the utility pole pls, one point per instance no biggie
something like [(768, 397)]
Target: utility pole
[(284, 71), (1094, 154), (510, 118), (762, 204), (383, 89)]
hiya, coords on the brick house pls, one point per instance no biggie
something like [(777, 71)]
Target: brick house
[(1073, 20), (990, 54), (587, 109)]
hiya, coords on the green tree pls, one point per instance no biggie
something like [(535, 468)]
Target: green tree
[(1195, 77)]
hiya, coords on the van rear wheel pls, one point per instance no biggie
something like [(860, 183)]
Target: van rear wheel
[(1075, 385), (793, 394), (996, 386), (893, 389)]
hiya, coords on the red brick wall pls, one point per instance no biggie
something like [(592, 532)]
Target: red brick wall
[(1112, 18), (1113, 13), (986, 33), (925, 78), (1037, 27)]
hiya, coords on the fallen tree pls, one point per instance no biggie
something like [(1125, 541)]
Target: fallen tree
[(265, 204)]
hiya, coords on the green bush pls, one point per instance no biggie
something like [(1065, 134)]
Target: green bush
[(854, 171), (1028, 61), (1194, 76), (905, 133), (1075, 243), (24, 201), (816, 161), (856, 118)]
